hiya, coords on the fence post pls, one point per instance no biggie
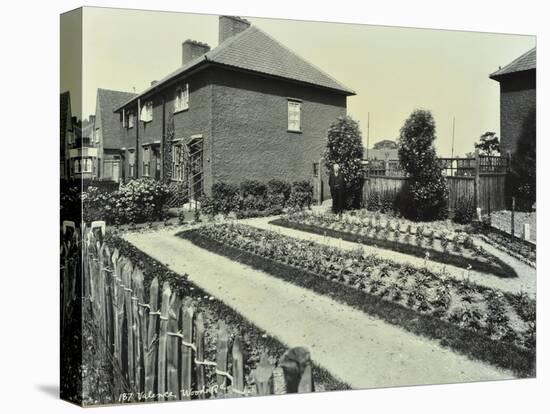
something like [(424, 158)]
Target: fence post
[(199, 356), (126, 281), (142, 328), (263, 376), (173, 343), (476, 179), (135, 331), (165, 303), (513, 219), (238, 368), (296, 364), (152, 338), (186, 351), (222, 349)]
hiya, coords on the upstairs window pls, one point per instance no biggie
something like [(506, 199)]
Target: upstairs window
[(182, 98), (131, 120), (147, 111), (294, 116)]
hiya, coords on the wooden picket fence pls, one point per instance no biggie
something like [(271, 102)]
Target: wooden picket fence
[(157, 342)]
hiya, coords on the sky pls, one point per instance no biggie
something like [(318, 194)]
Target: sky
[(393, 70)]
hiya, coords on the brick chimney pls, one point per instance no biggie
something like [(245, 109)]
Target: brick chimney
[(191, 49), (229, 26)]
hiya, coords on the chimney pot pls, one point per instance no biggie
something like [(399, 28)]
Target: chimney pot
[(229, 26), (191, 49), (153, 82)]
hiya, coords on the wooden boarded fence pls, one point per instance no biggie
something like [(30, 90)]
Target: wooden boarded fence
[(481, 180), (157, 341)]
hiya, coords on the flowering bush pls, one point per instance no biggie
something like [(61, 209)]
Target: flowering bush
[(139, 200)]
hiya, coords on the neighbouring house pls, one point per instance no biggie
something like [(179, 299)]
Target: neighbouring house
[(249, 108), (108, 133), (83, 150), (66, 138), (518, 100)]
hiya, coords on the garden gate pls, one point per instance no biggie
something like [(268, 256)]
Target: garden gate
[(187, 172)]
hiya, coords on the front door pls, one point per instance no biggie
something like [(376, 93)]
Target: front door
[(116, 171)]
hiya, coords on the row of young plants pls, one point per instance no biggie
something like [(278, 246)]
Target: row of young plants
[(455, 248), (254, 340), (254, 198), (480, 322), (523, 251)]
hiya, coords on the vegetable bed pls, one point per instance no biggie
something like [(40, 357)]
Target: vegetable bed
[(254, 340), (477, 321), (457, 249)]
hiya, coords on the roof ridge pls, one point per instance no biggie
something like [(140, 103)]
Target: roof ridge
[(225, 44), (344, 87)]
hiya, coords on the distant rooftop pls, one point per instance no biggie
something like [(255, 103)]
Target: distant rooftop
[(527, 61)]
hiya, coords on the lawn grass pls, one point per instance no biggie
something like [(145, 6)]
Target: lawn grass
[(498, 267), (255, 340), (465, 341)]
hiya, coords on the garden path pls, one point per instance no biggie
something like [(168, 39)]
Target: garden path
[(526, 280), (360, 350)]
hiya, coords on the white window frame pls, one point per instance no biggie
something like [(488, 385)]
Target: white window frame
[(147, 112), (130, 120), (294, 115), (181, 102)]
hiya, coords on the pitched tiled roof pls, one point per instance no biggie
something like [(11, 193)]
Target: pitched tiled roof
[(527, 61), (254, 50), (107, 102)]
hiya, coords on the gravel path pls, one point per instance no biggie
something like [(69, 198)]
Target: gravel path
[(526, 280), (359, 350)]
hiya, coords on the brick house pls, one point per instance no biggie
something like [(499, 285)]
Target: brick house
[(107, 132), (518, 100), (248, 109)]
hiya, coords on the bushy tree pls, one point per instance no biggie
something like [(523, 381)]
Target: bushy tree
[(488, 144), (345, 148), (426, 191)]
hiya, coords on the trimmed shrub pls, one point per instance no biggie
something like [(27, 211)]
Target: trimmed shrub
[(275, 187), (426, 188), (465, 211), (253, 188), (301, 195), (226, 198)]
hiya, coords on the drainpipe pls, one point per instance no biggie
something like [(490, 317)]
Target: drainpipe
[(136, 155), (162, 138)]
